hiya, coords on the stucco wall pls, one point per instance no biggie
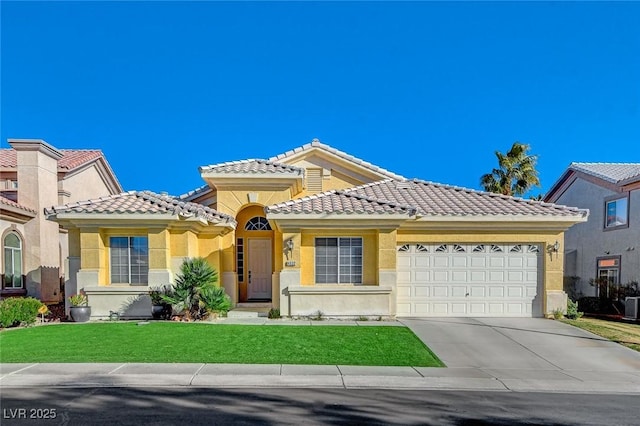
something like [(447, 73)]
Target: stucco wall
[(590, 240), (84, 185)]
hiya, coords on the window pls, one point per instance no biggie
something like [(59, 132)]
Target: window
[(12, 261), (616, 212), (129, 260), (240, 259), (608, 275), (258, 223), (339, 260)]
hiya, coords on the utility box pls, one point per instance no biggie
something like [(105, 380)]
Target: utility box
[(631, 308)]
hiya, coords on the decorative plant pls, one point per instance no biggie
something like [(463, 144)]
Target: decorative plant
[(572, 310), (274, 313), (214, 300), (78, 300), (558, 314), (156, 293), (196, 292)]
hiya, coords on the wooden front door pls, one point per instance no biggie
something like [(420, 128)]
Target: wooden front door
[(259, 271)]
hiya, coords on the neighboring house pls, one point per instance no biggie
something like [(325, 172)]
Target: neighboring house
[(315, 229), (608, 244), (33, 175)]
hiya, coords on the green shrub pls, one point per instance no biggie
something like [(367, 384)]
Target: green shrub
[(572, 310), (78, 300), (196, 292), (19, 311), (274, 313), (557, 313), (214, 300)]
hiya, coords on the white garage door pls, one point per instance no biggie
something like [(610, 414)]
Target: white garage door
[(468, 280)]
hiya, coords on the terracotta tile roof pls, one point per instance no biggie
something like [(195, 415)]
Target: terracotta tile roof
[(341, 202), (146, 202), (253, 166), (427, 198), (316, 144), (610, 172), (71, 158), (11, 203)]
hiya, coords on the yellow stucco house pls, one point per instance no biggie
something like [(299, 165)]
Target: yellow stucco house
[(316, 229)]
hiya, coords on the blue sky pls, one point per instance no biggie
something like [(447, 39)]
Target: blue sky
[(427, 90)]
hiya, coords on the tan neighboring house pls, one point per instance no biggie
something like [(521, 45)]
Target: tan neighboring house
[(316, 229), (607, 246), (35, 175)]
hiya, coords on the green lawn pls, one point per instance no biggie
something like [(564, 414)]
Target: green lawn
[(625, 334), (216, 343)]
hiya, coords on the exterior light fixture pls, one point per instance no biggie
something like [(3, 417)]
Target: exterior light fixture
[(290, 244), (556, 246)]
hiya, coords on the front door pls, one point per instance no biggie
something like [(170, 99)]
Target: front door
[(259, 273)]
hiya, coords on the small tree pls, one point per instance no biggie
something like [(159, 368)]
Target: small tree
[(516, 173)]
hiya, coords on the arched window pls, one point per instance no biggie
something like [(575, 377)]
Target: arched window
[(12, 261), (258, 223)]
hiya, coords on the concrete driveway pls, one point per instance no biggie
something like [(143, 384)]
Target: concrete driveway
[(534, 350)]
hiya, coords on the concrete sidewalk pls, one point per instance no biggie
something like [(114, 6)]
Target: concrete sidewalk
[(515, 354)]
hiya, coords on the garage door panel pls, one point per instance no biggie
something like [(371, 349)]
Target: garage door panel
[(496, 292), (478, 262), (514, 292), (422, 276), (515, 262), (458, 308), (441, 276), (478, 276), (459, 276), (515, 276), (404, 291), (440, 291), (477, 308), (496, 262), (458, 291), (496, 309), (422, 262), (459, 261), (468, 280), (440, 261), (422, 291), (478, 292), (496, 276)]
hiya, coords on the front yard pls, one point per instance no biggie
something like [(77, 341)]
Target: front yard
[(625, 334), (167, 342)]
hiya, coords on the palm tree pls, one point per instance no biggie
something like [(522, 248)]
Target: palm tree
[(516, 173)]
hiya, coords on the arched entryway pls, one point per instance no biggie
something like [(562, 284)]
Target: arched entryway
[(254, 255)]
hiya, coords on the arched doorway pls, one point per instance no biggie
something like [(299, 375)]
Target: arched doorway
[(254, 255)]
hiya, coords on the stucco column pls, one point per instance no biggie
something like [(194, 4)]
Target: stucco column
[(37, 174), (554, 295), (290, 276), (159, 257), (92, 259), (387, 276)]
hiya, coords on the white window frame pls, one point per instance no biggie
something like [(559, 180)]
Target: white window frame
[(143, 279), (15, 252), (355, 262)]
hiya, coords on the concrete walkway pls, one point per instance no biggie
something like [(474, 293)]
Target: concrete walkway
[(481, 354)]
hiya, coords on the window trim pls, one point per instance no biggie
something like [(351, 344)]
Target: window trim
[(128, 237), (618, 268), (315, 259), (8, 232), (607, 200)]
